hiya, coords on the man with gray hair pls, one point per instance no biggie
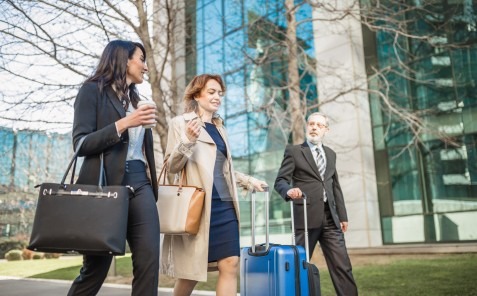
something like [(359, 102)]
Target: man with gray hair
[(310, 169)]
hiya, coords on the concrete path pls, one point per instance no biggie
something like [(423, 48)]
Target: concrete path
[(12, 286)]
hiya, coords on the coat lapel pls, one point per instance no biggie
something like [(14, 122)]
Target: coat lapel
[(115, 101), (309, 158), (204, 135)]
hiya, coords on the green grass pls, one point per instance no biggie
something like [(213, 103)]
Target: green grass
[(452, 275), (447, 275), (32, 268)]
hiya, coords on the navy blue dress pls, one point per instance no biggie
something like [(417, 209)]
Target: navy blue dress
[(224, 233)]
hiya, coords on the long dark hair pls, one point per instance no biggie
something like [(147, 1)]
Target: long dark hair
[(112, 69)]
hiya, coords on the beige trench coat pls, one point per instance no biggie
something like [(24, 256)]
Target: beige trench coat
[(186, 257)]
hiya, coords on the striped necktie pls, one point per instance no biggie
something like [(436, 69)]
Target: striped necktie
[(320, 162)]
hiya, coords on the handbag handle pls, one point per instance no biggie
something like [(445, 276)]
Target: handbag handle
[(182, 180), (73, 160), (102, 176)]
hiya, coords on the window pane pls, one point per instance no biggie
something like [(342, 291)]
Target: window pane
[(405, 182), (233, 14), (213, 26)]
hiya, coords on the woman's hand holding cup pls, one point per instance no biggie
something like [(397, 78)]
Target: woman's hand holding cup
[(150, 109)]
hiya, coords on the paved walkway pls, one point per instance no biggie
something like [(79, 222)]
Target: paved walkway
[(12, 286)]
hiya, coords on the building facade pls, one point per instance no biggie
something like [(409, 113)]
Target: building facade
[(400, 92), (428, 191), (400, 186), (28, 158)]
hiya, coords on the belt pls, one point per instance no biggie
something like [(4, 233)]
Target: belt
[(135, 166)]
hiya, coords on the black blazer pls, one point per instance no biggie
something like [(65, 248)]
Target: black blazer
[(95, 115), (299, 169)]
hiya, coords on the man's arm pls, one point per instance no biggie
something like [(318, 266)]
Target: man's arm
[(285, 174), (339, 199)]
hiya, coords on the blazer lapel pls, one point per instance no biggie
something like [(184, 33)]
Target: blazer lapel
[(309, 158), (115, 101), (329, 160)]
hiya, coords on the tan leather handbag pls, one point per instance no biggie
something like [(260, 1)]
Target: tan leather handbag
[(180, 206)]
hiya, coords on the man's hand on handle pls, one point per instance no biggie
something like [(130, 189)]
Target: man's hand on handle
[(295, 193)]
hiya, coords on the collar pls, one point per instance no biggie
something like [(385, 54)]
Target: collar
[(216, 119), (313, 146)]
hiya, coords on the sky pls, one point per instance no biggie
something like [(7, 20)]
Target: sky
[(37, 92)]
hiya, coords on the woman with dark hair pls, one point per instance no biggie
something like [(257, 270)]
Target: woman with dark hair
[(106, 112), (197, 141)]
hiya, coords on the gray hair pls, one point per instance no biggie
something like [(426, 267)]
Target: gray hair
[(327, 119)]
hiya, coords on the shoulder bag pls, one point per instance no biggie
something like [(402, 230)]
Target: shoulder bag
[(180, 206), (76, 218)]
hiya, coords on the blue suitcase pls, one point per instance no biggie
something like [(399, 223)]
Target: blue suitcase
[(272, 270)]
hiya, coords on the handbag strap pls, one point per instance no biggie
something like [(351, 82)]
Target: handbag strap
[(162, 175), (182, 180), (74, 159), (102, 175)]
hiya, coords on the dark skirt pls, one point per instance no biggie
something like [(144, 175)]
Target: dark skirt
[(224, 240), (224, 231)]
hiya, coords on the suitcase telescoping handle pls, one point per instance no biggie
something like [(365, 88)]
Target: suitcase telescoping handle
[(252, 214), (305, 214)]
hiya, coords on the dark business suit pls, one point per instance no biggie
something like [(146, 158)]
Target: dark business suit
[(95, 117), (299, 169)]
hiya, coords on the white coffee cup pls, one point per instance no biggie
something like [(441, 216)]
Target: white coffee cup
[(139, 104)]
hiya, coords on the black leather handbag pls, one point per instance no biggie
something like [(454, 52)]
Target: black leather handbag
[(84, 219)]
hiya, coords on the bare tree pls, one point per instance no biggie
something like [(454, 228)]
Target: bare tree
[(411, 33), (293, 76), (50, 47), (419, 39), (44, 42), (43, 38)]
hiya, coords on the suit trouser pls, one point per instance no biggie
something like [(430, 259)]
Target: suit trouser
[(333, 245), (142, 237)]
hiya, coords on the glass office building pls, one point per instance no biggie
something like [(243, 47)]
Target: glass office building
[(27, 158), (244, 42), (427, 192), (417, 188)]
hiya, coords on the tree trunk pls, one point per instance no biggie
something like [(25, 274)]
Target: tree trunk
[(156, 65), (296, 113)]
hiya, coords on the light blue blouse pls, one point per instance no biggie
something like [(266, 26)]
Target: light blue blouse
[(136, 138)]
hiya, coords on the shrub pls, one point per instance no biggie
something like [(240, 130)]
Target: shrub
[(52, 255), (27, 254), (14, 255), (38, 256), (7, 244)]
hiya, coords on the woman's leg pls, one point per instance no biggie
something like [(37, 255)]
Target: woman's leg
[(92, 275), (184, 287), (143, 231), (227, 281), (143, 238)]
